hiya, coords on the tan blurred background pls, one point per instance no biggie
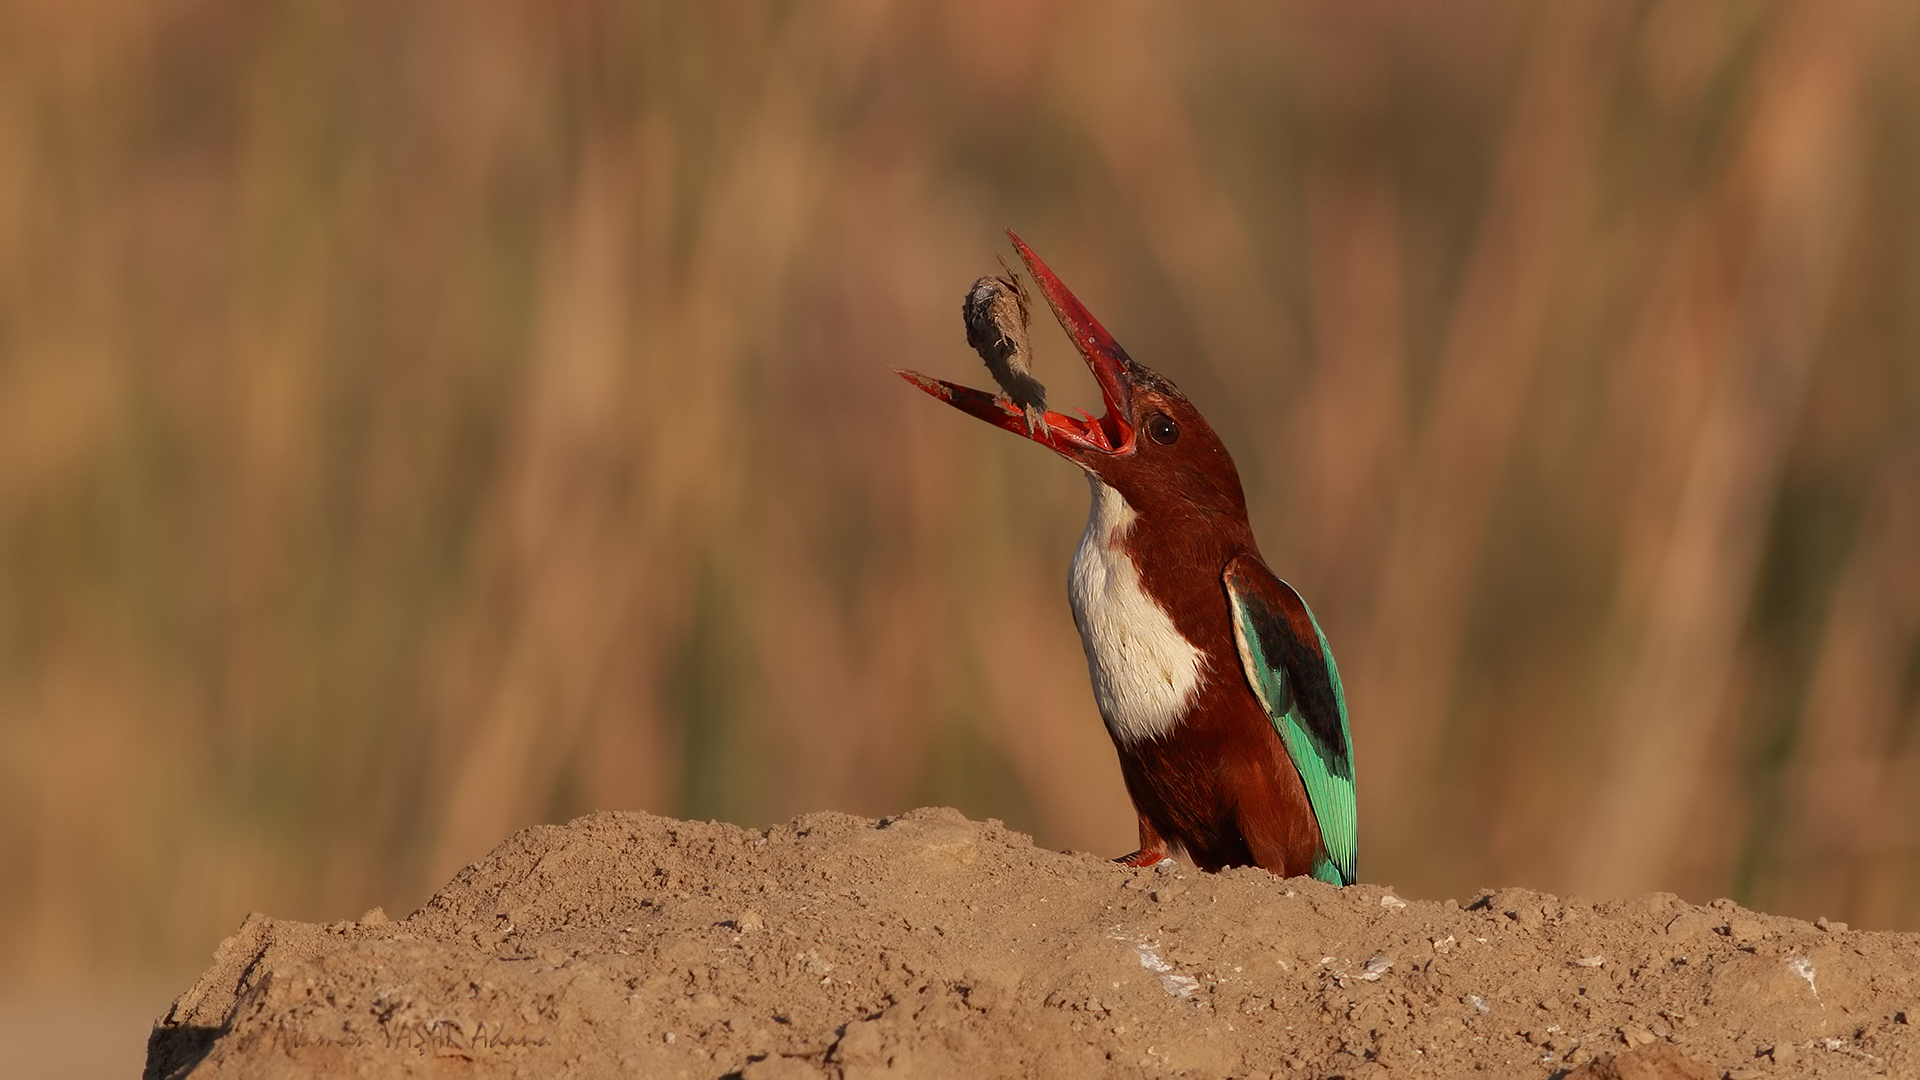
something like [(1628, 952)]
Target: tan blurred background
[(421, 420)]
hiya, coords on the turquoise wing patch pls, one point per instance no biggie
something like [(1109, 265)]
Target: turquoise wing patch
[(1291, 670)]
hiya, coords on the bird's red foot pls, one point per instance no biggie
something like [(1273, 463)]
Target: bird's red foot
[(1142, 859)]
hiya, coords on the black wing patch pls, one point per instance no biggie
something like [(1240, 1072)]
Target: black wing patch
[(1288, 636)]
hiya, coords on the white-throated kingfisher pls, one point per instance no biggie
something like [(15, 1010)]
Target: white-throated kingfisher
[(1214, 680)]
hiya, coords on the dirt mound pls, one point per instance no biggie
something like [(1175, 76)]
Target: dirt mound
[(931, 945)]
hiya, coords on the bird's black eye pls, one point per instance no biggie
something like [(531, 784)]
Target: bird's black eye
[(1164, 430)]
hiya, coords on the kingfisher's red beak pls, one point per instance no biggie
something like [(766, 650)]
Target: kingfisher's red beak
[(1072, 437)]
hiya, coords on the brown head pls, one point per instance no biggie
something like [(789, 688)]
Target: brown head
[(1150, 444)]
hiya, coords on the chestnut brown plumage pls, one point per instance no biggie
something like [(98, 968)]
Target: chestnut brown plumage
[(1214, 680)]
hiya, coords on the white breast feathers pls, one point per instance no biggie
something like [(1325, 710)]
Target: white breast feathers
[(1144, 671)]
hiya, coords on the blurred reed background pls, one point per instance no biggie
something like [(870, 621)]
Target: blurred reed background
[(421, 420)]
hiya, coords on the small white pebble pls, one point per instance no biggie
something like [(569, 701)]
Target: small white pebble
[(1590, 961), (1392, 902), (1377, 967), (1479, 1003)]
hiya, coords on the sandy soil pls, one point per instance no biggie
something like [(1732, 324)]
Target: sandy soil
[(928, 945)]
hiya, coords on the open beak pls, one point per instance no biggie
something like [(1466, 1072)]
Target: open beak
[(1072, 437)]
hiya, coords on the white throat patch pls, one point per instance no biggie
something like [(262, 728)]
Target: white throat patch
[(1144, 671)]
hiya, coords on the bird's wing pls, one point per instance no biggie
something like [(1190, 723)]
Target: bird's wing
[(1291, 670)]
